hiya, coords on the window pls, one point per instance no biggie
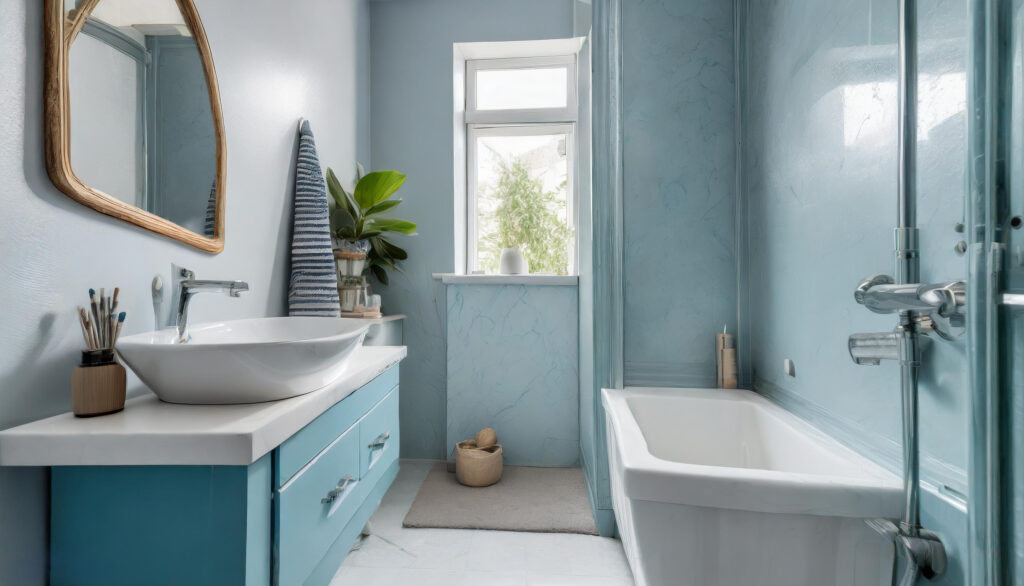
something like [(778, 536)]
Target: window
[(520, 125)]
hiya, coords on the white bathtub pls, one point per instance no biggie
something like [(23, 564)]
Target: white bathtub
[(719, 487)]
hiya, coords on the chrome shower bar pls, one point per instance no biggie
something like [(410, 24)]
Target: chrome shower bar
[(921, 309)]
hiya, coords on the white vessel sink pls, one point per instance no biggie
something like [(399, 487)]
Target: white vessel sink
[(243, 361)]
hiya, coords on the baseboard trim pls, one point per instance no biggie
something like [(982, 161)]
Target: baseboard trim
[(604, 518)]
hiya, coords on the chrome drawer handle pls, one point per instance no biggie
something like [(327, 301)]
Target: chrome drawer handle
[(381, 440), (333, 494)]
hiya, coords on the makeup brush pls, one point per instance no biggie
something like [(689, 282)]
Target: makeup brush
[(113, 306), (111, 322), (104, 322), (95, 334), (117, 329), (85, 332), (95, 306), (90, 332)]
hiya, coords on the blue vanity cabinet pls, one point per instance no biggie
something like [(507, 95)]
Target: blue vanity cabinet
[(289, 518)]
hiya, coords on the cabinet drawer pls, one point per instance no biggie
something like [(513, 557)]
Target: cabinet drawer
[(315, 505), (378, 435), (299, 449)]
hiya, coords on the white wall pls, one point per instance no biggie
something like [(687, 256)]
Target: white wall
[(106, 110), (275, 63)]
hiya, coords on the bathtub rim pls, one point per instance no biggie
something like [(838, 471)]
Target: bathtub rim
[(647, 477)]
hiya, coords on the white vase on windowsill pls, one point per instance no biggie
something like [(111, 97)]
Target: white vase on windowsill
[(512, 262)]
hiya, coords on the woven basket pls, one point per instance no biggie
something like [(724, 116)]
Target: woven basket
[(477, 466)]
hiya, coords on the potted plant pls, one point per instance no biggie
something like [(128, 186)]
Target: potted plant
[(358, 228)]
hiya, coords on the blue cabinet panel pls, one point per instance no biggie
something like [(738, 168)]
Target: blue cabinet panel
[(299, 449), (160, 524)]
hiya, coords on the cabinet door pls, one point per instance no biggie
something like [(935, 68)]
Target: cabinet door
[(378, 435), (315, 505)]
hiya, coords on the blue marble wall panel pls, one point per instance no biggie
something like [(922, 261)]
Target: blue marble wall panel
[(679, 192), (411, 123), (820, 164), (513, 365)]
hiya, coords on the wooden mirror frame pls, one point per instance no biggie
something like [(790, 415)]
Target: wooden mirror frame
[(60, 32)]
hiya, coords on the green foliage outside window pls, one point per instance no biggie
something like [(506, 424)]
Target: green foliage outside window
[(526, 217)]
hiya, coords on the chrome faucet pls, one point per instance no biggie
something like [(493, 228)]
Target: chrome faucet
[(188, 288), (881, 295), (937, 308), (871, 349)]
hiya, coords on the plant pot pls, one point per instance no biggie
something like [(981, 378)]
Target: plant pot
[(478, 466), (512, 262), (350, 257)]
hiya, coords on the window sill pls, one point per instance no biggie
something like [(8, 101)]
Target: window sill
[(538, 280)]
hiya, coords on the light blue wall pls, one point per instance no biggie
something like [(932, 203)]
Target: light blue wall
[(678, 199), (182, 143), (820, 169), (275, 64), (411, 65), (512, 365), (679, 195)]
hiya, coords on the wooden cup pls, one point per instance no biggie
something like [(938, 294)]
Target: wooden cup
[(97, 385)]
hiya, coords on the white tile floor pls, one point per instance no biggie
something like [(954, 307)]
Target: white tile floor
[(397, 556)]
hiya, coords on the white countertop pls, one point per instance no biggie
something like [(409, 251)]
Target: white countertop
[(151, 432)]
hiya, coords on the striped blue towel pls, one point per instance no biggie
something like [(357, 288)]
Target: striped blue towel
[(313, 289), (210, 220)]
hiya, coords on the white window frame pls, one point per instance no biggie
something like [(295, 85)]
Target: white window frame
[(520, 122), (482, 130), (566, 114)]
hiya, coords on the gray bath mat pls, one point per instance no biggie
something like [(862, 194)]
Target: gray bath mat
[(541, 500)]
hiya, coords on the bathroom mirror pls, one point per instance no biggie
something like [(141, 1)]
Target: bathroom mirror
[(133, 119)]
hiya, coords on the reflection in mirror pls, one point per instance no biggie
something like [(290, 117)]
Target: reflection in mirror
[(141, 126)]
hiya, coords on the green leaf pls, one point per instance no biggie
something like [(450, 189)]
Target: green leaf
[(383, 263), (383, 206), (338, 193), (360, 171), (380, 273), (389, 250), (377, 186), (389, 225)]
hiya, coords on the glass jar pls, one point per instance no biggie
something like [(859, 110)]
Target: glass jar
[(354, 293)]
